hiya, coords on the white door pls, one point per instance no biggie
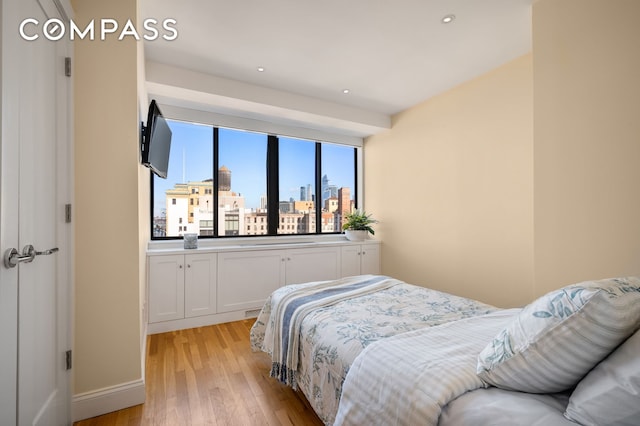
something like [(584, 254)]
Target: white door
[(313, 264), (166, 288), (34, 189), (247, 278), (200, 284), (370, 259), (351, 259)]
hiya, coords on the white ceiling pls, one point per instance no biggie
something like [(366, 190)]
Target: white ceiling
[(390, 54)]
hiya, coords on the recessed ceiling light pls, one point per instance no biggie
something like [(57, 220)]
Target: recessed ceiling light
[(345, 91), (260, 69), (448, 19)]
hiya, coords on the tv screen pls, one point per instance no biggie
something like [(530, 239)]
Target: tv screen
[(156, 142)]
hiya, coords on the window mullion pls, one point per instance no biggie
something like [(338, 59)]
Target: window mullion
[(355, 179), (318, 183), (215, 177), (273, 195)]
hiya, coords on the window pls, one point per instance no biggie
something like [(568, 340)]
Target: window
[(242, 175), (281, 185), (297, 171), (337, 185), (190, 166)]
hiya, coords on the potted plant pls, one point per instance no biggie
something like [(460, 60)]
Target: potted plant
[(357, 225)]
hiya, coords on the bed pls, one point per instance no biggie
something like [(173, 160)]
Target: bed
[(376, 350)]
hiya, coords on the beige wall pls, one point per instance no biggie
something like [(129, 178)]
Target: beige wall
[(107, 266), (144, 201), (452, 186), (587, 140), (525, 179)]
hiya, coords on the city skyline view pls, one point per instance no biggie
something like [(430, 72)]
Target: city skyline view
[(244, 156)]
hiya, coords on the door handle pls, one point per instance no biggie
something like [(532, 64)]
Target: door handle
[(12, 257)]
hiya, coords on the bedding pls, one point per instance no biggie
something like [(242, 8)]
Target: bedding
[(498, 407), (374, 350), (610, 393), (332, 336), (558, 338), (290, 309), (406, 379)]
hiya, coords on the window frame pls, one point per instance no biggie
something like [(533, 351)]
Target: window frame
[(273, 203)]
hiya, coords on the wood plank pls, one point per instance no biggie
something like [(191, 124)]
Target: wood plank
[(210, 376)]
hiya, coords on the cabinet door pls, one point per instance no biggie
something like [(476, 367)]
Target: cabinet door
[(312, 264), (350, 261), (370, 259), (200, 284), (166, 288), (246, 279)]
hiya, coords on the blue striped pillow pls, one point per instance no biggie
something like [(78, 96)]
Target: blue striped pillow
[(554, 341)]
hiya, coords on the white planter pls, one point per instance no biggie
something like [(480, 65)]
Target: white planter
[(356, 235)]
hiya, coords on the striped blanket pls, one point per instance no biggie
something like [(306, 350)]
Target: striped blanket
[(282, 334), (406, 379)]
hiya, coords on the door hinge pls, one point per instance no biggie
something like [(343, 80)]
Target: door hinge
[(67, 66), (68, 359), (67, 213)]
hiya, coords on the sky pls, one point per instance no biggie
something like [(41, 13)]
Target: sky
[(244, 153)]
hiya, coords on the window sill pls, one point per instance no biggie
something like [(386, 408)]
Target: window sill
[(250, 243)]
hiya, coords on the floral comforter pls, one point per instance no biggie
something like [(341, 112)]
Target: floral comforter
[(331, 337), (405, 380)]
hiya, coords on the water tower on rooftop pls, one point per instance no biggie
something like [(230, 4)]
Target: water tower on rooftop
[(224, 179)]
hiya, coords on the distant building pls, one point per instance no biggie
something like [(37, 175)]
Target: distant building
[(286, 206), (303, 206), (189, 207), (306, 193), (177, 207), (160, 226), (328, 190), (329, 222), (291, 223), (331, 204), (344, 204), (255, 223), (224, 179)]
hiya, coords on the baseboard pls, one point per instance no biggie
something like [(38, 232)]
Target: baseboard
[(181, 324), (105, 400)]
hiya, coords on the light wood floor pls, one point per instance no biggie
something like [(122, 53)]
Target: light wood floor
[(210, 376)]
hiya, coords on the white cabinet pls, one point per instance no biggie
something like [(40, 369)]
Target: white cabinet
[(181, 286), (312, 264), (359, 259), (166, 288), (192, 288), (247, 278), (200, 290)]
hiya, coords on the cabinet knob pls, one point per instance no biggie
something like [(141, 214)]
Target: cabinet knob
[(188, 265), (364, 252), (180, 266)]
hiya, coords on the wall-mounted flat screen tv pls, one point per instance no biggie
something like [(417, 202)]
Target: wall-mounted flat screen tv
[(156, 142)]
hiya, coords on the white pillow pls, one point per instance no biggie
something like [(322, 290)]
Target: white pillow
[(610, 393), (554, 341)]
